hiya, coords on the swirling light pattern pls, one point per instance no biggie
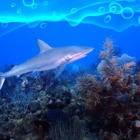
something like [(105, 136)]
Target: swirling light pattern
[(112, 14)]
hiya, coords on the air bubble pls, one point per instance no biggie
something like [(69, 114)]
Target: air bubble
[(107, 19), (4, 25), (115, 8), (43, 25), (127, 13), (101, 9), (19, 10), (13, 5), (34, 6), (28, 3), (73, 10), (54, 13), (45, 3)]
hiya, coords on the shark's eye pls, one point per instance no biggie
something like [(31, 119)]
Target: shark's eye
[(67, 57)]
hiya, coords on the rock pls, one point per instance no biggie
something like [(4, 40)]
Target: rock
[(39, 87), (53, 115), (30, 136), (105, 135), (124, 99), (91, 137), (58, 101), (125, 59), (38, 113), (34, 106), (108, 135)]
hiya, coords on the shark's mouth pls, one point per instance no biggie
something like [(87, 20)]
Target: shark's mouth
[(78, 56)]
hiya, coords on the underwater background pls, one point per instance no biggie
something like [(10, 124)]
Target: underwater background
[(98, 95)]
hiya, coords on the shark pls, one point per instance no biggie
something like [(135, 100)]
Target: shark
[(48, 58)]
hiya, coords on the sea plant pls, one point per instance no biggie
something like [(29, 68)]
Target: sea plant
[(74, 130), (117, 78), (90, 89)]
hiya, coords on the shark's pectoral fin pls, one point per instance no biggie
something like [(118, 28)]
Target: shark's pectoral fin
[(17, 76), (61, 68), (2, 79), (1, 82)]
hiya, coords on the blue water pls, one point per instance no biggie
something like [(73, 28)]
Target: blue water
[(21, 44)]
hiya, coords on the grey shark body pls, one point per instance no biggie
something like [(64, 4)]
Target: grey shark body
[(47, 59)]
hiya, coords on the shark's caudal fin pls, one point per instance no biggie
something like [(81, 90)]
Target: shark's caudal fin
[(2, 79)]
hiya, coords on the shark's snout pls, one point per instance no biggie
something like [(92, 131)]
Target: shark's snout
[(81, 54), (88, 50)]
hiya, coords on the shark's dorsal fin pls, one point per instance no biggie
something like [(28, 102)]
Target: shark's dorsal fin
[(43, 46), (14, 67)]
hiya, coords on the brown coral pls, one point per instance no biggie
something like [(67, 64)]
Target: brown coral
[(138, 78), (90, 89), (108, 48), (117, 78)]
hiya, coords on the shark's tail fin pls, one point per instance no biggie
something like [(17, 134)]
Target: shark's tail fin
[(2, 79)]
